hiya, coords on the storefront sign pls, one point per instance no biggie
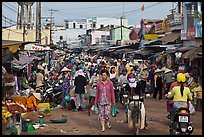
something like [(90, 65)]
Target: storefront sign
[(35, 47), (191, 32), (150, 36)]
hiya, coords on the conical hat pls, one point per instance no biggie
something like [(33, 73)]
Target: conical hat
[(198, 88), (37, 95), (163, 69), (131, 64), (167, 70), (39, 85), (187, 75), (65, 69), (144, 67), (158, 70), (40, 67)]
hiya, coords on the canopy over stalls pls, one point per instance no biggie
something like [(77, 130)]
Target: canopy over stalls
[(22, 62), (13, 45), (192, 53)]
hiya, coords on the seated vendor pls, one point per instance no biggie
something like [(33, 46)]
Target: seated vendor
[(32, 102)]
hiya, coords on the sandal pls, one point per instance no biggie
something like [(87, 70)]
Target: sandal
[(102, 130), (109, 125)]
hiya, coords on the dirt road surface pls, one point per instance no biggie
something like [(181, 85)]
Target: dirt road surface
[(79, 123)]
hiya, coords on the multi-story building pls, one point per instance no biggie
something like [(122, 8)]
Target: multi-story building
[(192, 24), (75, 27), (94, 23)]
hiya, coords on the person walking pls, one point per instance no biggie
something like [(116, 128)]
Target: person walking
[(143, 77), (105, 97), (122, 66), (168, 75), (158, 84), (66, 84), (151, 79), (39, 76), (80, 82)]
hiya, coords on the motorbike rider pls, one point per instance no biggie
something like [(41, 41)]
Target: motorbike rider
[(180, 94), (134, 88), (122, 81)]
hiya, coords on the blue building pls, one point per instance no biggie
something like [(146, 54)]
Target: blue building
[(192, 24)]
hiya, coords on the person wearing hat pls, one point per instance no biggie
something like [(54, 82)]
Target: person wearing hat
[(122, 66), (143, 77), (80, 82), (32, 102), (40, 76), (180, 94), (130, 67), (66, 77), (158, 84), (168, 79)]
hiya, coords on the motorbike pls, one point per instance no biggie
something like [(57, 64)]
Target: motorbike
[(53, 93), (180, 123), (123, 94), (134, 119)]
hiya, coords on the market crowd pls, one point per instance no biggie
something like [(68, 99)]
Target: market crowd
[(86, 75)]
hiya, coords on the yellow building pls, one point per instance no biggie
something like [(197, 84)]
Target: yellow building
[(17, 35)]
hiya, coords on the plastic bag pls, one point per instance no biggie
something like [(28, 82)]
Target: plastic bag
[(191, 108), (95, 110), (114, 111), (67, 98)]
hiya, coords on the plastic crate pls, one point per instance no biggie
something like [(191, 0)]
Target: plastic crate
[(43, 106)]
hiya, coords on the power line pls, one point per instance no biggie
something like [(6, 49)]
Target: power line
[(10, 8), (9, 19), (88, 8), (118, 15)]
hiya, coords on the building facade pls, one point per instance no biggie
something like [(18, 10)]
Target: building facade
[(192, 24), (94, 23)]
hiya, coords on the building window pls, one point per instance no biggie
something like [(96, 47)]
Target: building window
[(102, 26), (74, 25), (81, 26), (94, 25), (67, 26)]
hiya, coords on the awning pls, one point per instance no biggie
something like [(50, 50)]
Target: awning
[(13, 45), (171, 37), (192, 53), (22, 62), (35, 47), (183, 49), (141, 52)]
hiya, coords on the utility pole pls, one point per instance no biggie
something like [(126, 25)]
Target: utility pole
[(24, 30), (121, 31), (51, 11), (38, 22)]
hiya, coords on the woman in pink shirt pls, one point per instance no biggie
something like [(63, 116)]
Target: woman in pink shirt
[(105, 97)]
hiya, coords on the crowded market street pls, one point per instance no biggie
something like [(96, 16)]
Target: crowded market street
[(101, 75)]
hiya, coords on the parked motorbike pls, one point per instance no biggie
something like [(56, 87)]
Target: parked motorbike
[(180, 123), (53, 94)]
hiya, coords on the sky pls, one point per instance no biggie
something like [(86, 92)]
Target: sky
[(78, 10)]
